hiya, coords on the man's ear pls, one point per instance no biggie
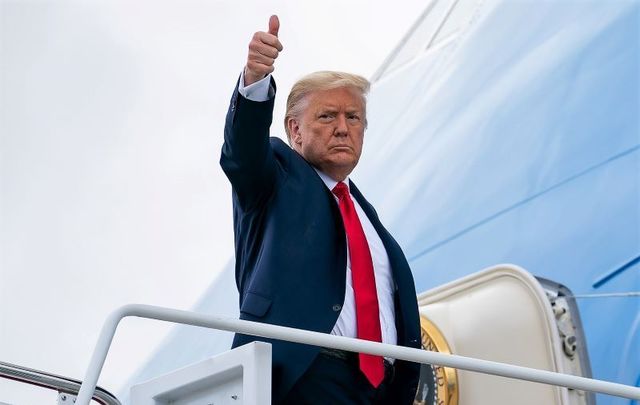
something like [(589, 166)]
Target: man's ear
[(294, 131)]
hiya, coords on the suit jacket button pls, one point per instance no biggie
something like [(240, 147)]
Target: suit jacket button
[(337, 307)]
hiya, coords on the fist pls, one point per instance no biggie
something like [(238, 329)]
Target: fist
[(263, 51)]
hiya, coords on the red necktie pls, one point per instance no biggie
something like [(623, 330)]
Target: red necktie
[(364, 285)]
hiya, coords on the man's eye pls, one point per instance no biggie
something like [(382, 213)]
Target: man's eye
[(324, 116), (354, 117)]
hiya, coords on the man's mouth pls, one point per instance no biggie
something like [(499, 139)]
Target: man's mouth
[(342, 147)]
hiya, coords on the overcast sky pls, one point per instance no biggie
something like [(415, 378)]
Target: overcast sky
[(111, 117)]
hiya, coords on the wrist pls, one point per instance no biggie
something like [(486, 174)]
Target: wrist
[(251, 77)]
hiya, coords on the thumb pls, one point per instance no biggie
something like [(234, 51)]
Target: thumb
[(274, 25)]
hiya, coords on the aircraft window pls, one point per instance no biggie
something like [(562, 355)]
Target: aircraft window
[(459, 18), (439, 20)]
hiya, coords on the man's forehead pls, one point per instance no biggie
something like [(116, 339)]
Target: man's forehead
[(335, 97)]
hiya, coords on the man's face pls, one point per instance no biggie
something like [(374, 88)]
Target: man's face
[(330, 130)]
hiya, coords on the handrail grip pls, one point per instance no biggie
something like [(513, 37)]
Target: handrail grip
[(336, 342), (53, 382)]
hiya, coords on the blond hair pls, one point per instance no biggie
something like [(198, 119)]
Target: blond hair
[(318, 81)]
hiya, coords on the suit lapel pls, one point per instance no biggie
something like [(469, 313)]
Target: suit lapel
[(389, 243), (403, 298)]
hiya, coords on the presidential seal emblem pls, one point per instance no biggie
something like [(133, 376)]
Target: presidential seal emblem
[(438, 385)]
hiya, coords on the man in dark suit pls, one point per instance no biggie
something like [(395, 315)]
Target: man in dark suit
[(310, 250)]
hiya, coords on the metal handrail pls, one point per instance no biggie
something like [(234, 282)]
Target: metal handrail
[(336, 342), (53, 382)]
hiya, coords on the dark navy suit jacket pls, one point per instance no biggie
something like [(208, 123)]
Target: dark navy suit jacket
[(290, 247)]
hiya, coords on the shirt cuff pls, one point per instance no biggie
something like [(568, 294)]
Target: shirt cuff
[(258, 91)]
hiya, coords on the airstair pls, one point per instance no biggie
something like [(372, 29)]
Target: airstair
[(497, 322)]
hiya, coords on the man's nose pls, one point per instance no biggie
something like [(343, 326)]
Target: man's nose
[(341, 128)]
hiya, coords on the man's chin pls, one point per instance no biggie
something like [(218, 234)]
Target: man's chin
[(345, 164)]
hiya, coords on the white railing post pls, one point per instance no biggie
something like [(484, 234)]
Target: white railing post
[(336, 342)]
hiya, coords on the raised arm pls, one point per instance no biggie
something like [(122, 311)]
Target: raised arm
[(247, 158)]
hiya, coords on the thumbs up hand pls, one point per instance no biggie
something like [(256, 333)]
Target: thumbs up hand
[(263, 51)]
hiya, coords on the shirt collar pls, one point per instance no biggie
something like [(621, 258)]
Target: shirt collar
[(329, 182)]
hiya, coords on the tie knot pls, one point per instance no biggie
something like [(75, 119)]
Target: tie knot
[(341, 190)]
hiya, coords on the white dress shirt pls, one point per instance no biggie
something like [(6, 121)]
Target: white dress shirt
[(385, 286)]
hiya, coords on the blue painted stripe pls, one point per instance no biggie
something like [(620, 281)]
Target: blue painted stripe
[(608, 276)]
